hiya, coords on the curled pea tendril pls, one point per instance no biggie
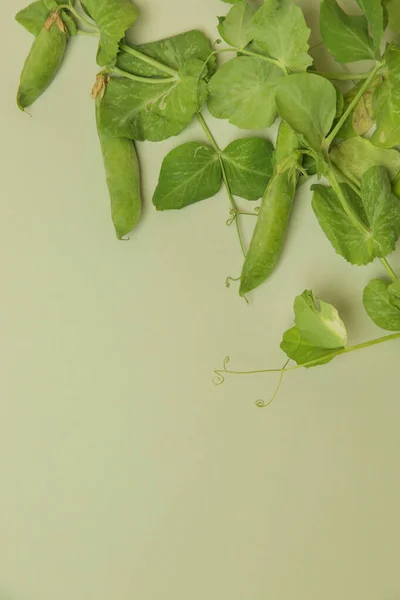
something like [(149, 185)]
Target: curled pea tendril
[(234, 213), (220, 377), (229, 280)]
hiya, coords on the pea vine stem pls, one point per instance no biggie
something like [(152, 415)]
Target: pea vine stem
[(342, 76), (78, 16), (150, 61), (151, 80), (311, 363), (217, 150), (329, 139)]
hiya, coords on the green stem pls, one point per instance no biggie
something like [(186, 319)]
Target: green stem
[(342, 76), (78, 16), (315, 362), (389, 269), (150, 61), (150, 80), (328, 140), (217, 150)]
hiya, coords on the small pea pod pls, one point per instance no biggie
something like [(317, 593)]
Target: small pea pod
[(123, 179), (273, 217), (43, 61)]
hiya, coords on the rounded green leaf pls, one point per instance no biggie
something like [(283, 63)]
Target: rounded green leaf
[(303, 352), (248, 166), (280, 30), (380, 306), (141, 111), (308, 104), (189, 173), (234, 28), (243, 91), (386, 102)]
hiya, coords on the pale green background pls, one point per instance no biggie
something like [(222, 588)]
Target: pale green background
[(124, 473)]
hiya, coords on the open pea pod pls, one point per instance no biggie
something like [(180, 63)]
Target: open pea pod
[(43, 61)]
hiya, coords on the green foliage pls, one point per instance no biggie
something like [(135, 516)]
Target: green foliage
[(355, 156), (34, 16), (113, 18), (235, 27), (346, 37), (243, 91), (373, 11), (248, 165), (140, 111), (189, 173), (386, 102), (175, 52), (376, 209), (381, 301), (319, 332), (280, 30), (308, 104)]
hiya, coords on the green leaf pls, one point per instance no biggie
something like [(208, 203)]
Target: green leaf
[(113, 18), (373, 11), (141, 111), (347, 240), (378, 209), (386, 102), (378, 303), (355, 156), (302, 351), (248, 166), (280, 30), (346, 37), (34, 16), (394, 293), (189, 173), (308, 104), (319, 322), (174, 52), (234, 28), (243, 91)]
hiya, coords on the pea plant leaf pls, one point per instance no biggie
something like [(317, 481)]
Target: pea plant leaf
[(308, 104), (141, 111), (113, 18), (248, 164), (380, 303), (373, 11), (174, 52), (386, 102), (243, 91), (279, 28), (378, 209), (302, 352), (318, 322), (234, 28), (34, 16), (353, 157), (394, 293), (189, 173), (319, 332), (346, 37)]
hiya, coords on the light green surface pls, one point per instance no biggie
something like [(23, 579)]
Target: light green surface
[(124, 473)]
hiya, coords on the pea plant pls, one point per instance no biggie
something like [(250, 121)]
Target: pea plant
[(346, 142)]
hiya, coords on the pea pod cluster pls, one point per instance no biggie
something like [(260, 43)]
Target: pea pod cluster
[(338, 132)]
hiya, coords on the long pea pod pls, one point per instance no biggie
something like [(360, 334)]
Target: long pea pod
[(273, 217), (43, 61), (123, 178)]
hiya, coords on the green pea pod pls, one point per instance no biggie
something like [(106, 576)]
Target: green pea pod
[(273, 217), (123, 179), (42, 64)]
